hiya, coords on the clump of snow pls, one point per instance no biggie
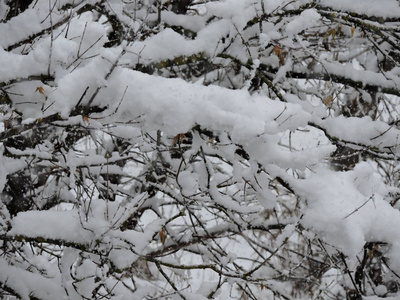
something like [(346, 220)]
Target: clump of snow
[(348, 215), (307, 19), (17, 66), (58, 225)]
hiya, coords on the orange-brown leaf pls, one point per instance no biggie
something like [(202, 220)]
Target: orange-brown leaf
[(178, 138), (163, 235), (276, 50), (40, 89)]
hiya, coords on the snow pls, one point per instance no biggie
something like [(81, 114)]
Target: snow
[(21, 27), (377, 298), (92, 76), (365, 77), (13, 65), (168, 44), (176, 106), (382, 8), (193, 23), (159, 47), (31, 285), (348, 209), (58, 225), (307, 18), (363, 131), (285, 147), (227, 8), (8, 166)]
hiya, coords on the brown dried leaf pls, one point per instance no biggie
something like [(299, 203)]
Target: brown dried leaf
[(352, 29), (338, 29), (333, 34), (40, 89), (178, 138), (327, 100), (163, 235), (276, 50), (328, 33)]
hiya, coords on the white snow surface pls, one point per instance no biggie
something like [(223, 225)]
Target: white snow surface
[(28, 284), (346, 209), (252, 121), (382, 8), (65, 225), (306, 19)]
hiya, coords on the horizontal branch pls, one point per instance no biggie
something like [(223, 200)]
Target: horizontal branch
[(167, 250), (40, 240), (370, 87)]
